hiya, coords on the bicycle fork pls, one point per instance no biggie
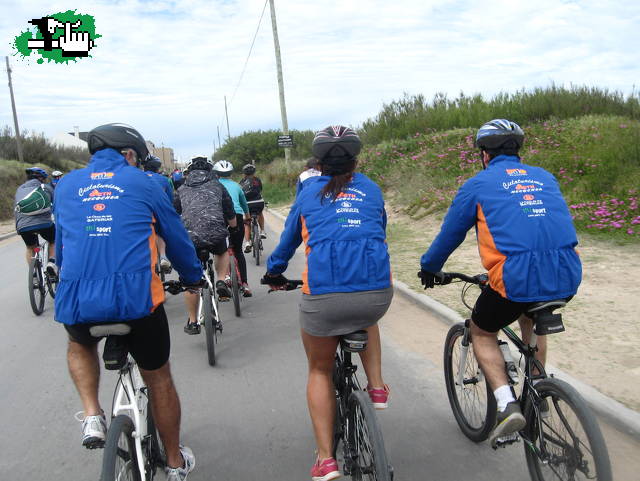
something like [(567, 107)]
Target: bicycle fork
[(465, 346)]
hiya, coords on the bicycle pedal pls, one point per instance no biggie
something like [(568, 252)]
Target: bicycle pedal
[(507, 440)]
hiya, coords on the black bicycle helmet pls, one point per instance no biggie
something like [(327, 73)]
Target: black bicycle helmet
[(249, 169), (497, 132), (336, 145), (152, 163), (199, 162), (117, 136)]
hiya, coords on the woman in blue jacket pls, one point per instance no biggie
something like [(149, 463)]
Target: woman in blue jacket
[(340, 217)]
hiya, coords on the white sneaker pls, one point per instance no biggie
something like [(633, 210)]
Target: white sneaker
[(263, 235), (165, 265), (94, 431), (180, 474)]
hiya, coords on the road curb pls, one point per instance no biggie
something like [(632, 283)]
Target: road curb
[(6, 236), (625, 419)]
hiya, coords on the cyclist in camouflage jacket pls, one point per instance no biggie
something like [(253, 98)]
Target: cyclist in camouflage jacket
[(206, 209)]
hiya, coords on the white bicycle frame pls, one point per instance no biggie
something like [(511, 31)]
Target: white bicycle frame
[(214, 301), (130, 400)]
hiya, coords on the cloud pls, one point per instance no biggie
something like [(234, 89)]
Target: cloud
[(165, 66)]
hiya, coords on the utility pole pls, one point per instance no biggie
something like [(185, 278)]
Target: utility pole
[(227, 115), (283, 107), (219, 143), (15, 115)]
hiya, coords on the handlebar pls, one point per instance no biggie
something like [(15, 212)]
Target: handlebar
[(290, 285), (448, 277), (176, 287)]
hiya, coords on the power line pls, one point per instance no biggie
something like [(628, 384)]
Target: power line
[(255, 35)]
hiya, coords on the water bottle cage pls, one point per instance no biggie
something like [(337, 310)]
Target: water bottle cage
[(547, 322), (115, 353)]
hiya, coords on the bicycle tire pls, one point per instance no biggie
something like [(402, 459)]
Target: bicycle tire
[(256, 244), (369, 457), (235, 285), (209, 325), (473, 408), (119, 461), (569, 412), (37, 292)]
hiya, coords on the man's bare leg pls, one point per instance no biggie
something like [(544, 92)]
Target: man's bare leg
[(84, 367)]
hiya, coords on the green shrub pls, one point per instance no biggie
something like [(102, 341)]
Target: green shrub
[(261, 146)]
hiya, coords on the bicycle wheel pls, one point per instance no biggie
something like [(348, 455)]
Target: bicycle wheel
[(566, 443), (472, 402), (36, 285), (235, 284), (255, 234), (209, 324), (368, 458), (119, 462)]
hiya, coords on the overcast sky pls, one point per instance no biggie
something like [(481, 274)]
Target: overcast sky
[(165, 66)]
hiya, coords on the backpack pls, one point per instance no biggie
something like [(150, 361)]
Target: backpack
[(35, 202)]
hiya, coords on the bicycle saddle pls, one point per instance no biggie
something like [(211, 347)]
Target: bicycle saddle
[(555, 304), (355, 341), (103, 330), (546, 322), (203, 255)]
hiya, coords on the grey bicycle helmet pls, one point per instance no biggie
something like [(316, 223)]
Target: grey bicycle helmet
[(336, 145), (495, 133), (152, 164), (249, 169), (117, 136)]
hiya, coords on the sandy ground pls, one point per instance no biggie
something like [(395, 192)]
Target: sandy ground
[(600, 344)]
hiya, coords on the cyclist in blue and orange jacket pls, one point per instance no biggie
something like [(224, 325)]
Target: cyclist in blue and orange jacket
[(107, 218), (526, 240), (340, 217)]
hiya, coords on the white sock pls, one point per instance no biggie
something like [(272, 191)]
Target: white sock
[(503, 397)]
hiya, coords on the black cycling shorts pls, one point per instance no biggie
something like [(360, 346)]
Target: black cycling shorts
[(493, 312), (256, 207), (148, 342), (217, 249), (30, 237)]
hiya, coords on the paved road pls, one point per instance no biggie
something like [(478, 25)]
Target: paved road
[(245, 419)]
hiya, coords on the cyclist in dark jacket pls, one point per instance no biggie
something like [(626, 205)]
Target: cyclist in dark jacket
[(29, 226), (526, 241), (252, 188), (207, 209)]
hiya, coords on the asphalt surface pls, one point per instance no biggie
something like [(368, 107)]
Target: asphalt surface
[(245, 419)]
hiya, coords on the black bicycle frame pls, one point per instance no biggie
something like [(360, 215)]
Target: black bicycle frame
[(345, 382)]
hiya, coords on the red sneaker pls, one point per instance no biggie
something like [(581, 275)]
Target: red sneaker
[(325, 470), (379, 397)]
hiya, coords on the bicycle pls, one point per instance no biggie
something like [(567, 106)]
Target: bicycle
[(562, 439), (237, 289), (40, 282), (255, 239), (363, 455), (208, 314), (132, 449)]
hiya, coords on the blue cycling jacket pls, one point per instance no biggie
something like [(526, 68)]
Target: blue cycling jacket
[(107, 216), (524, 230), (164, 183), (345, 240)]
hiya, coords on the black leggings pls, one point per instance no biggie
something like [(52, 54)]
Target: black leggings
[(236, 238)]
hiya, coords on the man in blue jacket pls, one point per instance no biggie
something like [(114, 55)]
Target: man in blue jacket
[(107, 218), (526, 241)]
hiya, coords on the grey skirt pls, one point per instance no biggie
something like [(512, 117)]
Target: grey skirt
[(341, 313)]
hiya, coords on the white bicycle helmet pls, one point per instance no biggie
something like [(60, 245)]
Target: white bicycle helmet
[(223, 168), (56, 173)]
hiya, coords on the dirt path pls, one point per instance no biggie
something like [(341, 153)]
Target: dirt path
[(600, 345)]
